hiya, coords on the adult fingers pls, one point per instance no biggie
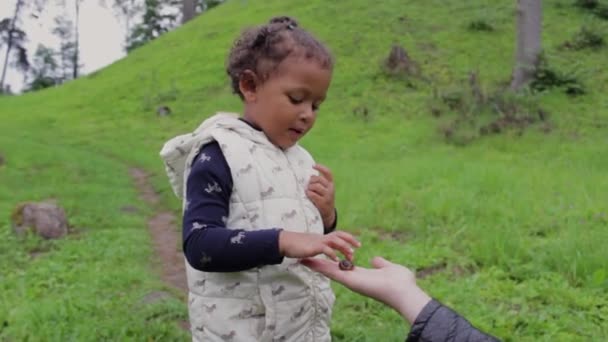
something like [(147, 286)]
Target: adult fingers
[(380, 262)]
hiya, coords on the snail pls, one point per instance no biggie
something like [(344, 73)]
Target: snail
[(346, 265)]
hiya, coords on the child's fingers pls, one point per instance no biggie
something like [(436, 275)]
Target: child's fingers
[(330, 253), (319, 189), (317, 199), (324, 171), (316, 179), (348, 238), (342, 246), (313, 196)]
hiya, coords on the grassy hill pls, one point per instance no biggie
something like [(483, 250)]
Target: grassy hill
[(510, 229)]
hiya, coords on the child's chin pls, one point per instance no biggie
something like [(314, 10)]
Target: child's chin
[(287, 145), (286, 142)]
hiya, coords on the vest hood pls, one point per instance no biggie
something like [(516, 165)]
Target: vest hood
[(178, 152)]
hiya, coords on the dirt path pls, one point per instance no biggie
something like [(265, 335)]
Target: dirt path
[(165, 236)]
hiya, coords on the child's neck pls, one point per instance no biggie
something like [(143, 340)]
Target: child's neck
[(253, 125), (257, 128)]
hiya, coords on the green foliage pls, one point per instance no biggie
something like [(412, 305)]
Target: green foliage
[(597, 7), (68, 53), (13, 35), (480, 25), (157, 20), (466, 111), (587, 4), (547, 77), (46, 70), (41, 82), (587, 38), (213, 3)]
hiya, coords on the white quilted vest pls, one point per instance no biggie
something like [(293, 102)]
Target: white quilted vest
[(286, 302)]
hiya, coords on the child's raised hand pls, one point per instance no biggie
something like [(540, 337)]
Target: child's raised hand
[(321, 192), (306, 245)]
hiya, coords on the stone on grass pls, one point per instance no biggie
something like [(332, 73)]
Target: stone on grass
[(163, 110), (44, 219)]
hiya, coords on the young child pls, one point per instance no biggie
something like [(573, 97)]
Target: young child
[(255, 202)]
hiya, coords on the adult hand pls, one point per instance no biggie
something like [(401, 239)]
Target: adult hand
[(389, 283)]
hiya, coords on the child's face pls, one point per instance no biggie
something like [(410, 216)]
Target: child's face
[(285, 105)]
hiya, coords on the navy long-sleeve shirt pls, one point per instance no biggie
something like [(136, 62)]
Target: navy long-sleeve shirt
[(206, 239), (438, 323)]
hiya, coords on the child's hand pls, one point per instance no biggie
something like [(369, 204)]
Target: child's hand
[(306, 245), (321, 192)]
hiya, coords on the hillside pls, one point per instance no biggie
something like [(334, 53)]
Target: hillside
[(509, 229)]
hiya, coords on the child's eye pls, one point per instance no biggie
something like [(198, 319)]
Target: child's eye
[(295, 100)]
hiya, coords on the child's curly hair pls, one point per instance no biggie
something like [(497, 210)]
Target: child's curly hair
[(261, 49)]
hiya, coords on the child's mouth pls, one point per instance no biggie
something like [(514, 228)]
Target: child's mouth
[(296, 132)]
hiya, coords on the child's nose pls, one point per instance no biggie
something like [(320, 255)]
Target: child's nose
[(307, 114)]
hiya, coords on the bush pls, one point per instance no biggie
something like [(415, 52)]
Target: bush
[(586, 38), (594, 6), (587, 4), (480, 25), (468, 112), (546, 78)]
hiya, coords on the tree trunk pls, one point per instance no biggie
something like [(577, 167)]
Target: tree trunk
[(529, 26), (77, 39), (9, 44), (127, 14), (188, 10)]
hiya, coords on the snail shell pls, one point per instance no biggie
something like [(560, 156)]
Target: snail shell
[(346, 265)]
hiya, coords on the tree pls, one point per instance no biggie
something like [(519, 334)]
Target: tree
[(188, 10), (75, 55), (529, 26), (191, 8), (14, 38), (127, 10), (67, 48), (157, 20), (45, 70), (205, 5)]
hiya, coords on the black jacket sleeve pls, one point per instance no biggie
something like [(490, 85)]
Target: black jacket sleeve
[(438, 323)]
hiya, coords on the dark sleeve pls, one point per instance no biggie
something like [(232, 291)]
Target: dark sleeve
[(438, 323), (331, 228), (208, 244)]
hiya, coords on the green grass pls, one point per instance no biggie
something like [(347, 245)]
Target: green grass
[(520, 222)]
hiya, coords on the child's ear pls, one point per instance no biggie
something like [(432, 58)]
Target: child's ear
[(248, 85)]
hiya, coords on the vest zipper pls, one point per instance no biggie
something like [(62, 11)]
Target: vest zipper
[(313, 279)]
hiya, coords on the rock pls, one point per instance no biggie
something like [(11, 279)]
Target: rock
[(45, 219), (163, 110)]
